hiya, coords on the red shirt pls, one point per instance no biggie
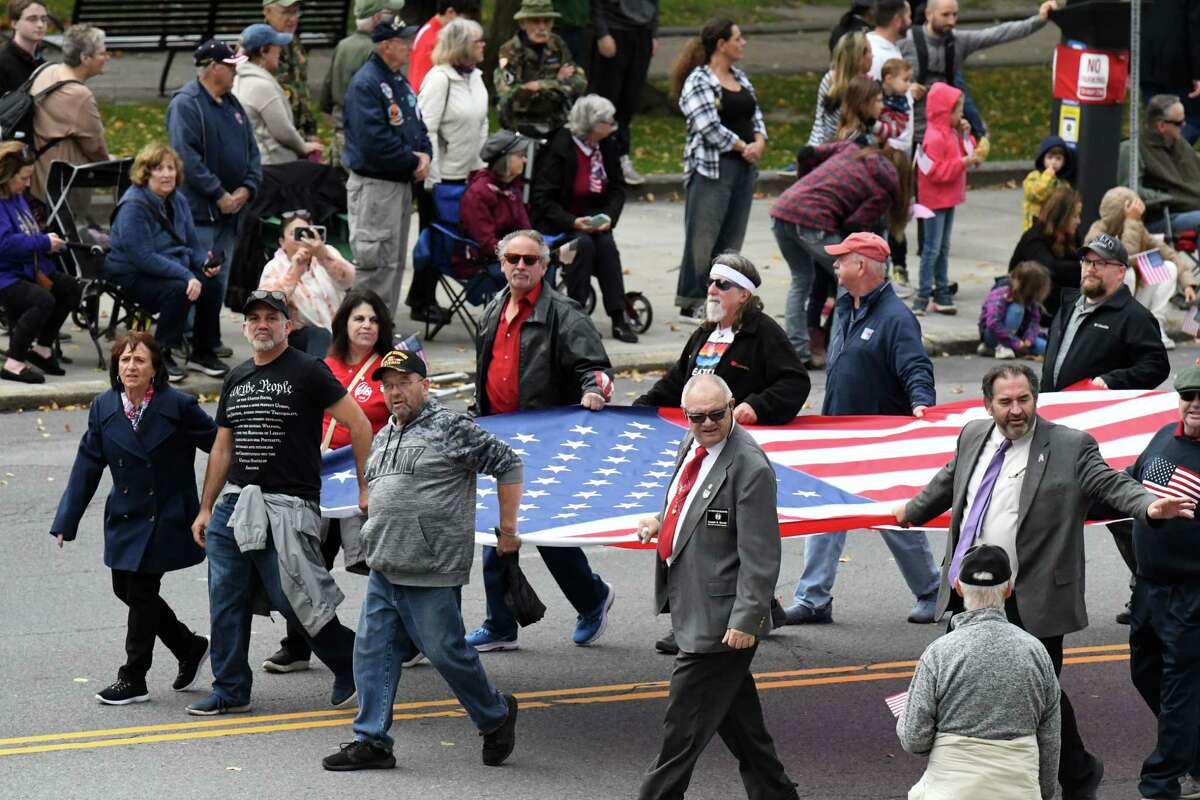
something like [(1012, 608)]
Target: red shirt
[(420, 59), (367, 393), (503, 378)]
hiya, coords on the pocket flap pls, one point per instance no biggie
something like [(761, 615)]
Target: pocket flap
[(722, 588)]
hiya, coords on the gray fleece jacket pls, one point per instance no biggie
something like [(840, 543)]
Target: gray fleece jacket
[(986, 679), (420, 528)]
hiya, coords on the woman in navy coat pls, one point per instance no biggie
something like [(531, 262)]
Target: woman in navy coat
[(146, 434)]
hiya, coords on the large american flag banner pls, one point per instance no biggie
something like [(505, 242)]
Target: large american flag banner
[(589, 476)]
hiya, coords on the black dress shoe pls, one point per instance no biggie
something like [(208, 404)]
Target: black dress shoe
[(1087, 790), (27, 375), (623, 333), (801, 614), (666, 645), (50, 365)]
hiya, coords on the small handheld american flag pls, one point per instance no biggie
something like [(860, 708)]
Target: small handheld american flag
[(1151, 267), (896, 703), (1171, 480)]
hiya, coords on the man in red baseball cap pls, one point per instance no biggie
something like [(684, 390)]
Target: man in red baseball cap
[(876, 364)]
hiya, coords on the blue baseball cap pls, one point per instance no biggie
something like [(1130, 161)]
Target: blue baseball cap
[(392, 28), (261, 35)]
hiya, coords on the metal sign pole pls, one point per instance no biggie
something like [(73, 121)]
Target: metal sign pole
[(1135, 92)]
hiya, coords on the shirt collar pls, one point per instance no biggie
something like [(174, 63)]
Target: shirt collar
[(584, 146), (716, 449), (1179, 434), (997, 437), (531, 298)]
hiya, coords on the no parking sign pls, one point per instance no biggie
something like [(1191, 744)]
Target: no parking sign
[(1090, 76)]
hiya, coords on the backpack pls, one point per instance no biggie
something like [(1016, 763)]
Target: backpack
[(16, 112)]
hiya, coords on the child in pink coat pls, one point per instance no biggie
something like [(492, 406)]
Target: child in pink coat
[(942, 161)]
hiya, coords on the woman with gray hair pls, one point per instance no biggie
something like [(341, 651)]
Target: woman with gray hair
[(579, 190), (66, 122)]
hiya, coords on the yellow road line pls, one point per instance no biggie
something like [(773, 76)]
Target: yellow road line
[(584, 695)]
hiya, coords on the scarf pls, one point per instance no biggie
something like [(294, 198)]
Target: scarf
[(134, 413)]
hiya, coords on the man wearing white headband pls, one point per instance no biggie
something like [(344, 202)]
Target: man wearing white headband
[(745, 347)]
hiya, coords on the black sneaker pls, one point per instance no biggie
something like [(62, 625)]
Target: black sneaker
[(175, 373), (359, 755), (622, 332), (498, 745), (50, 365), (344, 694), (222, 351), (210, 365), (189, 668), (800, 614), (666, 645), (283, 661), (123, 692)]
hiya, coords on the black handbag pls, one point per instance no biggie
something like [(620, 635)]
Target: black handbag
[(519, 596)]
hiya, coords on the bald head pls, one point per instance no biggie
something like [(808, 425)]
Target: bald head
[(708, 403), (942, 16)]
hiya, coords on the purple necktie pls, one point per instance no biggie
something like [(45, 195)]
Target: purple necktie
[(974, 523)]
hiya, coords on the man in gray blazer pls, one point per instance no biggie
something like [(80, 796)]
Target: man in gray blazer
[(717, 565), (1022, 483)]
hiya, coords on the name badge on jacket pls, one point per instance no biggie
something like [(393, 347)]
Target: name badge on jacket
[(867, 334), (716, 517)]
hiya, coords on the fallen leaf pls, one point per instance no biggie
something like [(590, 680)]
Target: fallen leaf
[(81, 680), (447, 744), (956, 390), (233, 769), (844, 560)]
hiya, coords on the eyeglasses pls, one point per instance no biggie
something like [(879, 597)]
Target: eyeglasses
[(299, 213), (1189, 396), (1087, 262), (698, 418), (516, 258), (721, 284)]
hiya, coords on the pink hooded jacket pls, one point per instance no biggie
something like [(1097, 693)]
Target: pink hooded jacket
[(941, 174)]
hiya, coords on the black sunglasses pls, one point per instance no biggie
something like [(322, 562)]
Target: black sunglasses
[(721, 284), (1189, 395), (514, 259), (715, 416)]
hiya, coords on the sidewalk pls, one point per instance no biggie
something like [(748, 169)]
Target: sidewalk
[(650, 237)]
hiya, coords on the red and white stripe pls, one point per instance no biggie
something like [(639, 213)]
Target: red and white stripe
[(1184, 484)]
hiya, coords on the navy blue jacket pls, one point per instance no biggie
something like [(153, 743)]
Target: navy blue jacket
[(383, 124), (153, 501), (876, 362), (141, 245), (216, 142)]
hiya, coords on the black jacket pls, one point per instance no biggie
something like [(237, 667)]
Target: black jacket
[(553, 190), (561, 353), (760, 366), (16, 65), (1171, 46), (1119, 342), (1064, 270)]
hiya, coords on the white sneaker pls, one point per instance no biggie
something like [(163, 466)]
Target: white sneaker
[(1004, 352), (632, 176), (1169, 343)]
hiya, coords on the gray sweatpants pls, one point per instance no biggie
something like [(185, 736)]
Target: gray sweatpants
[(379, 218)]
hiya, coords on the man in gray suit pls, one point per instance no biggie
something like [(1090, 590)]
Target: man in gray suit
[(717, 565), (1022, 483)]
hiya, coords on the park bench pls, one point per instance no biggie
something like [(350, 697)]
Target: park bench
[(173, 26)]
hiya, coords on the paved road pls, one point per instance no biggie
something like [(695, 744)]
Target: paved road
[(591, 717)]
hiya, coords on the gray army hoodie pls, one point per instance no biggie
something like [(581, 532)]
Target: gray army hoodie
[(420, 529)]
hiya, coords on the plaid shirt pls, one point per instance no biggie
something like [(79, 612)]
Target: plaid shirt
[(707, 139), (840, 193)]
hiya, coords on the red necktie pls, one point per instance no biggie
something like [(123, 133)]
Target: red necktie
[(687, 479)]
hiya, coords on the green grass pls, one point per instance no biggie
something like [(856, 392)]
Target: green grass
[(1015, 101)]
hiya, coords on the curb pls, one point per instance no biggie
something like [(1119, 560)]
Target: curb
[(772, 181), (969, 18)]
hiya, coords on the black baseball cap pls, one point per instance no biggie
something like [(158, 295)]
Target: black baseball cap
[(392, 28), (275, 300), (215, 50), (401, 361), (1107, 247), (985, 565)]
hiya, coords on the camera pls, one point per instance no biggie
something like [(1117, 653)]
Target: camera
[(313, 234), (213, 261)]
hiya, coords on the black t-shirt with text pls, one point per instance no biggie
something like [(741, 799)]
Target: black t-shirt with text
[(275, 412)]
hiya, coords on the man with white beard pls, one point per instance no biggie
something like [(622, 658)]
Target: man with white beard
[(745, 347), (876, 364)]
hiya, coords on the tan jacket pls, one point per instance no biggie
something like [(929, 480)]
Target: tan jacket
[(1133, 233), (69, 112)]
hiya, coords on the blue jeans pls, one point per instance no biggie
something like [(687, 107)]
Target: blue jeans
[(1014, 315), (715, 215), (394, 618), (795, 243), (231, 586), (1183, 221), (822, 551), (312, 340), (219, 238), (569, 566), (935, 260)]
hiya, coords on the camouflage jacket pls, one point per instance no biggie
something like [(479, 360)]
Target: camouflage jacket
[(546, 108), (293, 77)]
